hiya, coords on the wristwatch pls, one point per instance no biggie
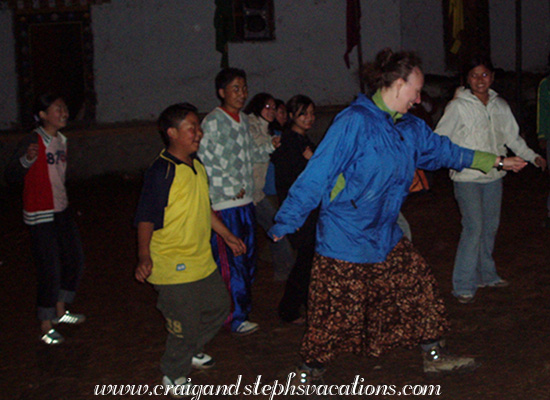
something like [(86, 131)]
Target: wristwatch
[(500, 165)]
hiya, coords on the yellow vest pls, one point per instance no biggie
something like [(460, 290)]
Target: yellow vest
[(181, 250)]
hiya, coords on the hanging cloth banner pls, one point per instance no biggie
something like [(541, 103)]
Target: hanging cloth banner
[(353, 27), (225, 30), (456, 14)]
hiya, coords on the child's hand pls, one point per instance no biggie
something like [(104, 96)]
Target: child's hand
[(540, 162), (236, 245), (144, 268), (32, 151), (307, 153), (241, 194)]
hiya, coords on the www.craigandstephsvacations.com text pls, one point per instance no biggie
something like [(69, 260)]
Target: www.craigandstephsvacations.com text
[(357, 388)]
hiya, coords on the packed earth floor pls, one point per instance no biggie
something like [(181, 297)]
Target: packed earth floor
[(507, 330)]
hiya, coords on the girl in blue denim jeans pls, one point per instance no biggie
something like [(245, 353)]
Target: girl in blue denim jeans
[(40, 163), (479, 118)]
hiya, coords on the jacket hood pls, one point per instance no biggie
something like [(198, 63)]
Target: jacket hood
[(466, 94)]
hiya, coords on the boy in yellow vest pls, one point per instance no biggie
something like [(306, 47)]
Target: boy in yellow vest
[(174, 221)]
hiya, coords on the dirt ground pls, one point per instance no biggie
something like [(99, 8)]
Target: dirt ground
[(508, 330)]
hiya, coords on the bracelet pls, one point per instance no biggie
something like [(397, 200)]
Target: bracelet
[(500, 165)]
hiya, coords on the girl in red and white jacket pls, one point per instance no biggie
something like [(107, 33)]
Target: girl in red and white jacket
[(40, 163)]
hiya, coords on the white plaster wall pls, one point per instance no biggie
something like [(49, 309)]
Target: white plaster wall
[(172, 57), (536, 34), (152, 53), (8, 77), (308, 55), (422, 32), (380, 26)]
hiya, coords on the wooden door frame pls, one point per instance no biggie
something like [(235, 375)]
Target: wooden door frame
[(26, 93)]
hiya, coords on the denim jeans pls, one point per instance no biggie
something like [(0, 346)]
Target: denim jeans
[(59, 259), (479, 204), (282, 255)]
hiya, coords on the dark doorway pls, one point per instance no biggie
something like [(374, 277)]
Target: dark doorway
[(466, 31), (55, 55), (57, 62)]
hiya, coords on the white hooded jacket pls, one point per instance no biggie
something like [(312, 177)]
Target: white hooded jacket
[(491, 128)]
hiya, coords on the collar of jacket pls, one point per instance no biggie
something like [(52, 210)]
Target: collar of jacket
[(467, 94), (377, 99), (46, 136)]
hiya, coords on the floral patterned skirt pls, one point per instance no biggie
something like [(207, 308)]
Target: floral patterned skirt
[(371, 308)]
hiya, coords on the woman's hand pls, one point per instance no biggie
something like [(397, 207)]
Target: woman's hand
[(276, 141), (276, 239), (540, 162), (241, 194), (308, 153), (515, 164)]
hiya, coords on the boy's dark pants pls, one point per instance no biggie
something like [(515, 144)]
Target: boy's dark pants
[(59, 259), (194, 313)]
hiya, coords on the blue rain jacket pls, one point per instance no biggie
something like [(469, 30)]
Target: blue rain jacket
[(377, 158)]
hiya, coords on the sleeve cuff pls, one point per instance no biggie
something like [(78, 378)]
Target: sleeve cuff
[(26, 163), (483, 161), (278, 230)]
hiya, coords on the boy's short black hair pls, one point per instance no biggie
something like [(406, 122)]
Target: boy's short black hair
[(171, 117), (226, 76)]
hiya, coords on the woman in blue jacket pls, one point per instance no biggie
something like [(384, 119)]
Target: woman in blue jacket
[(370, 289)]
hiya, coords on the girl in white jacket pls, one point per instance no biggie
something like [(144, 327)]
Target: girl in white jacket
[(478, 118)]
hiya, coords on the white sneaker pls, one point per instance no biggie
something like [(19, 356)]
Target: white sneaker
[(306, 375), (178, 388), (202, 361), (246, 328), (465, 298), (69, 318), (52, 337), (437, 361)]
